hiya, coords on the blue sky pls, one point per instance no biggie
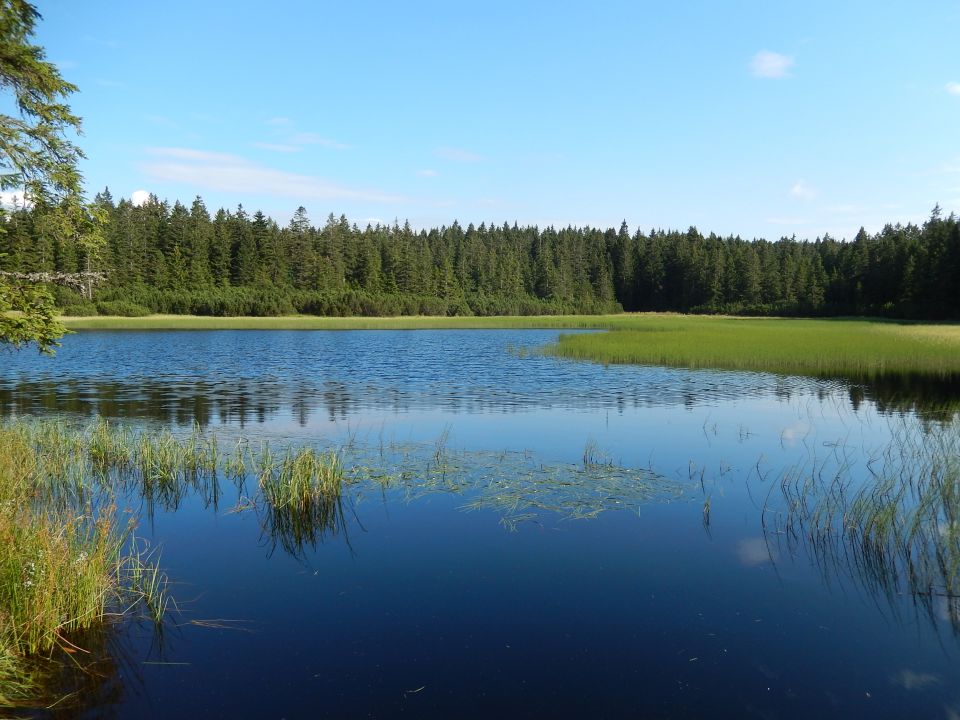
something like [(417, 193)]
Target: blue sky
[(755, 118)]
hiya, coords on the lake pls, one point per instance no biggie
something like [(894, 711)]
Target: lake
[(522, 535)]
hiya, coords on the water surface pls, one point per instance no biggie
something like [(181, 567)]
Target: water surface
[(460, 596)]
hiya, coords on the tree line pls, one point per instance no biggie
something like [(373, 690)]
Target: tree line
[(158, 257)]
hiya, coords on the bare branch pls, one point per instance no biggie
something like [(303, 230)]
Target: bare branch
[(79, 281)]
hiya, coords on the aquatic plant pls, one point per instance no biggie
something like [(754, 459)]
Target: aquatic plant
[(63, 565), (897, 531), (303, 493)]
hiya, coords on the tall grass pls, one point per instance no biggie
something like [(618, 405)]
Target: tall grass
[(303, 492), (63, 565)]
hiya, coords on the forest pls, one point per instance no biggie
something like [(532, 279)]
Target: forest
[(162, 258)]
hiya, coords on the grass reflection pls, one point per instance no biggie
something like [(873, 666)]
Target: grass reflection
[(895, 531)]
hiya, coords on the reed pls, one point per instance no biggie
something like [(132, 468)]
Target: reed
[(303, 492)]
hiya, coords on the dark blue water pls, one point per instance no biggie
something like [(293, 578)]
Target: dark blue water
[(428, 604)]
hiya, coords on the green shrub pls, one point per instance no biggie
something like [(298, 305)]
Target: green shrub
[(81, 309), (123, 308)]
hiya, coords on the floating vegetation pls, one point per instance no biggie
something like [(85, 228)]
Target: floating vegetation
[(516, 485)]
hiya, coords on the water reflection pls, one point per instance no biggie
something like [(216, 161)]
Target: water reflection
[(257, 377), (258, 402), (638, 591), (931, 398), (98, 672), (260, 377)]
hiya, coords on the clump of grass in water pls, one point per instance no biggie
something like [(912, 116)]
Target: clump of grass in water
[(303, 492), (108, 446), (594, 456)]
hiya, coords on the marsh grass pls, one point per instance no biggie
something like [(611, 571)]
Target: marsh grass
[(851, 349), (311, 322), (63, 565), (303, 493)]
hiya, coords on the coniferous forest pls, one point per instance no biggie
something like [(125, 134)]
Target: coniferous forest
[(184, 260)]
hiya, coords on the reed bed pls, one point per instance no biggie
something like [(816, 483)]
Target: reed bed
[(854, 349)]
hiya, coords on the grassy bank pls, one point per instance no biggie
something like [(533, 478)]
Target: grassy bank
[(858, 349), (825, 347), (311, 322)]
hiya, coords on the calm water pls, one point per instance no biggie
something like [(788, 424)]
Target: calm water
[(585, 595)]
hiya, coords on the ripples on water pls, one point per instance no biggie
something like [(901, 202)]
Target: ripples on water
[(252, 376)]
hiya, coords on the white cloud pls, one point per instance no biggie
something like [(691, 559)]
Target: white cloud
[(139, 197), (767, 64), (912, 680), (754, 551), (163, 121), (802, 191), (427, 173), (953, 88), (458, 155), (291, 142), (234, 174)]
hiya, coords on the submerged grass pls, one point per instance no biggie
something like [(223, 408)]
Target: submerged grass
[(897, 531)]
